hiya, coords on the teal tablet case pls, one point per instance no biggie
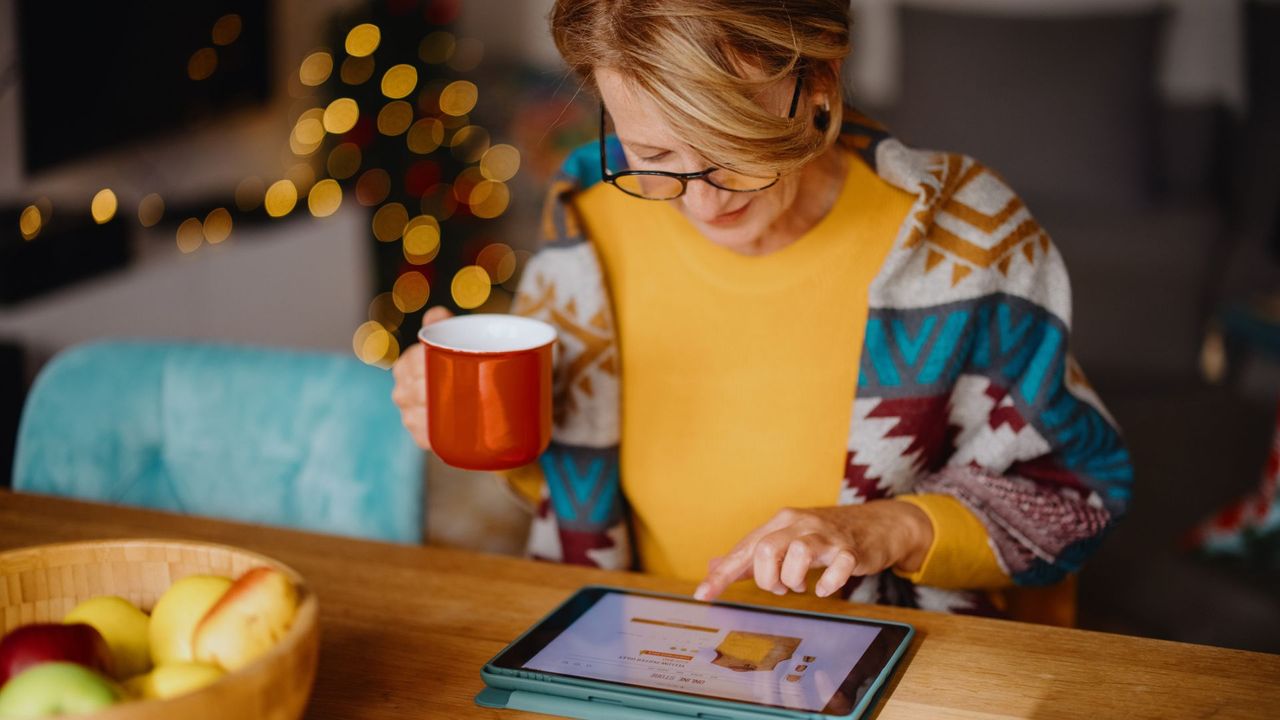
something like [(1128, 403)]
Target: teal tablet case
[(588, 700)]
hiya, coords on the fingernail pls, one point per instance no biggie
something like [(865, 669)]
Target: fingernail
[(821, 591), (701, 592), (779, 591)]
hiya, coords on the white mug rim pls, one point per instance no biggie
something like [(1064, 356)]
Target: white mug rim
[(460, 334)]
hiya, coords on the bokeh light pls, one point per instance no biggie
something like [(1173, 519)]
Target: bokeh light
[(315, 68), (104, 205), (458, 97), (471, 287), (469, 143), (308, 132), (373, 187), (489, 199), (325, 198), (302, 175), (439, 201), (373, 344), (466, 181), (399, 80), (190, 235), (411, 291), (425, 136), (499, 261), (395, 118), (151, 209), (30, 222), (389, 221), (422, 240), (383, 310), (344, 161), (280, 198), (467, 55), (356, 70), (249, 193), (453, 122), (363, 39), (202, 64), (217, 226), (226, 30), (500, 162), (437, 47), (341, 115)]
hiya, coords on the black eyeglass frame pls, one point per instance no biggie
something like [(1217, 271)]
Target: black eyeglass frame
[(684, 178)]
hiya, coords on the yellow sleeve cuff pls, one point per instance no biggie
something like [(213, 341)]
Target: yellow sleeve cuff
[(961, 556), (525, 483)]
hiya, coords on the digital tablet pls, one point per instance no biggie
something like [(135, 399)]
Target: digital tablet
[(611, 652)]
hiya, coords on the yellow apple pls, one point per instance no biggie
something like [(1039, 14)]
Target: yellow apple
[(247, 621), (178, 611), (123, 626), (174, 679)]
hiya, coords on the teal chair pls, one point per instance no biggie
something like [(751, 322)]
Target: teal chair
[(302, 440)]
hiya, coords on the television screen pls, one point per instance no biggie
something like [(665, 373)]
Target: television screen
[(99, 75)]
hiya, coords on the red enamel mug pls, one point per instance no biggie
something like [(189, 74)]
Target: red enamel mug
[(488, 389)]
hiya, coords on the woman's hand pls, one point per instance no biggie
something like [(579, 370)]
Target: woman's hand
[(410, 392), (847, 540)]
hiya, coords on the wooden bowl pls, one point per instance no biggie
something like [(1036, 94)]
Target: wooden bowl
[(42, 584)]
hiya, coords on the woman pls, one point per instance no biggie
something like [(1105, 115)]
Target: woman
[(795, 350)]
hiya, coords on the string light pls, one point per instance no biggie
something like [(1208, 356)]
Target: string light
[(190, 235), (341, 115), (469, 143), (249, 194), (489, 199), (437, 47), (308, 132), (499, 261), (422, 241), (344, 161), (373, 187), (226, 30), (316, 68), (104, 205), (458, 97), (151, 210), (371, 342), (383, 310), (280, 198), (363, 39), (30, 222), (471, 287), (411, 291), (399, 80), (356, 70), (395, 117), (389, 221), (425, 136), (325, 198), (500, 162), (202, 64), (217, 226)]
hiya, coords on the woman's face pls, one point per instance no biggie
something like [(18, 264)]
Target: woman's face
[(733, 220)]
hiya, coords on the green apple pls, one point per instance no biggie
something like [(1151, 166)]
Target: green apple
[(56, 688)]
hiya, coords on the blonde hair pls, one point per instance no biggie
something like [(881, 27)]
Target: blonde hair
[(705, 61)]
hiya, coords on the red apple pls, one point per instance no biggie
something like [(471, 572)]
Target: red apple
[(247, 621), (53, 642)]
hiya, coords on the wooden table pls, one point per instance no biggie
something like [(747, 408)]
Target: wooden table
[(405, 630)]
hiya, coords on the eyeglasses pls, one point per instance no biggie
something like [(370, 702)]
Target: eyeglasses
[(660, 185)]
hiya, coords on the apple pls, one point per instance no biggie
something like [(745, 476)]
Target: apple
[(167, 681), (249, 619), (56, 688), (176, 614), (123, 626), (31, 645)]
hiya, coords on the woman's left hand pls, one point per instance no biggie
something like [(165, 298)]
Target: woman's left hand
[(847, 540)]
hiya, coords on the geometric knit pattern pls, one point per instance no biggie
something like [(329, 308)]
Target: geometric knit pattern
[(966, 386)]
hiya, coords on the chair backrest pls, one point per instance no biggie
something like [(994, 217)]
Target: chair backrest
[(304, 440)]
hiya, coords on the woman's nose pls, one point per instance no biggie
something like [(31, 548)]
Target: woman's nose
[(704, 201)]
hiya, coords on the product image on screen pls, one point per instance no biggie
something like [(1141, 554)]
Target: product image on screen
[(789, 661)]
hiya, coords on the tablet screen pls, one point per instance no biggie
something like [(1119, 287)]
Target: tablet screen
[(729, 652)]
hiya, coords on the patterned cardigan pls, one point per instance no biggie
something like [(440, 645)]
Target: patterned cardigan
[(965, 388)]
